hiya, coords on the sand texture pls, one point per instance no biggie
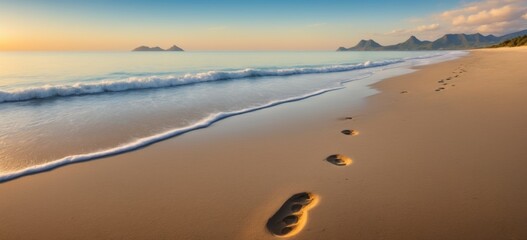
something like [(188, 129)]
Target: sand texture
[(441, 154)]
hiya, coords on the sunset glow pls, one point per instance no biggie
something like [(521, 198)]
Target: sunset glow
[(237, 25)]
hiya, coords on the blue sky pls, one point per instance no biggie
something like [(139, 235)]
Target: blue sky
[(228, 25)]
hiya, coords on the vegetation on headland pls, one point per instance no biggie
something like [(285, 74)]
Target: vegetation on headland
[(515, 42)]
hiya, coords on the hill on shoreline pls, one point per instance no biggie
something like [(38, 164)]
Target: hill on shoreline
[(515, 42), (174, 48), (446, 42)]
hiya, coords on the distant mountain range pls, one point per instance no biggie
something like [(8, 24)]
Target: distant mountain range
[(174, 48), (447, 42)]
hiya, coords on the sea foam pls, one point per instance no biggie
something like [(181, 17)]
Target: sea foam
[(143, 142), (149, 82)]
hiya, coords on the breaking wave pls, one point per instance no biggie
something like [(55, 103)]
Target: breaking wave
[(149, 82), (143, 142)]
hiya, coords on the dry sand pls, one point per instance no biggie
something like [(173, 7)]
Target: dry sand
[(448, 164)]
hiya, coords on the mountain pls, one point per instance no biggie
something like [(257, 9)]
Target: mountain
[(366, 45), (156, 49), (145, 48), (446, 42), (411, 44), (175, 48), (464, 41), (513, 35), (515, 42)]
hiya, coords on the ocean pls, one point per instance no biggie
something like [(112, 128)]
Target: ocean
[(62, 107)]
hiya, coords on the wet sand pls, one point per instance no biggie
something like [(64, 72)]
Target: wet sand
[(427, 164)]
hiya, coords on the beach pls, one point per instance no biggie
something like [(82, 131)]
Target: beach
[(427, 163)]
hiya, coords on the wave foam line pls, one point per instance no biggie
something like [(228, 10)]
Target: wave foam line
[(143, 142), (136, 83)]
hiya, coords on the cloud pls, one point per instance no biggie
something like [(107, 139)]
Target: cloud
[(426, 28), (487, 16), (505, 13), (398, 32), (419, 29), (496, 17), (489, 28), (455, 12)]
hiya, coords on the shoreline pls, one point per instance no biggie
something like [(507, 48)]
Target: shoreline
[(418, 164), (138, 143), (150, 140)]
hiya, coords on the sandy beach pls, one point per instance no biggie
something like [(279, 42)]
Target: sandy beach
[(440, 154)]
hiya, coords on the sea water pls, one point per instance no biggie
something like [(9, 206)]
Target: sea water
[(63, 107)]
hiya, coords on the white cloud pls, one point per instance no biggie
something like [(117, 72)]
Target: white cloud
[(487, 16), (496, 17), (490, 28), (505, 13), (455, 12), (458, 20), (426, 28), (419, 29), (398, 32)]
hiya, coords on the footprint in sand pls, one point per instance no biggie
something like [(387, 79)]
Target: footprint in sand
[(350, 132), (440, 89), (339, 160), (292, 216), (348, 118), (404, 91)]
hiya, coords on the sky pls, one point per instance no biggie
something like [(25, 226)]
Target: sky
[(97, 25)]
